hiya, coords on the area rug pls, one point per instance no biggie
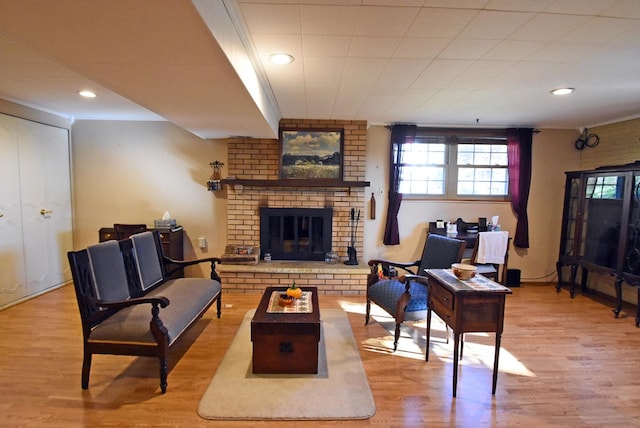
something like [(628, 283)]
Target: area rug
[(340, 390)]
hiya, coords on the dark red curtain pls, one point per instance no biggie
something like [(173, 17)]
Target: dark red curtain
[(519, 152), (400, 134)]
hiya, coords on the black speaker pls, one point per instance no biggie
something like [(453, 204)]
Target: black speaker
[(513, 278), (482, 224)]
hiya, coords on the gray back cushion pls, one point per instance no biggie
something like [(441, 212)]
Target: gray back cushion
[(147, 260), (107, 268), (440, 252)]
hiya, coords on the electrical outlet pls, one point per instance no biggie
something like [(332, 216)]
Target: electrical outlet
[(202, 243)]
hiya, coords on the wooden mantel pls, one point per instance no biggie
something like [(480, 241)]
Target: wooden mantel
[(300, 183)]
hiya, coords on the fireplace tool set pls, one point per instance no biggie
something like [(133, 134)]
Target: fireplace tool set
[(351, 250)]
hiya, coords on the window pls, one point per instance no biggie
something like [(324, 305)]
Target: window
[(454, 164)]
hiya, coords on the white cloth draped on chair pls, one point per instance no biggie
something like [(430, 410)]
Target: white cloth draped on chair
[(492, 247)]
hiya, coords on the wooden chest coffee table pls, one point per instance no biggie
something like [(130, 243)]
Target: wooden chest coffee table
[(285, 339)]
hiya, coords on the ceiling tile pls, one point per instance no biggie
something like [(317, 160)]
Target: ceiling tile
[(494, 24), (318, 46), (373, 47), (580, 7), (624, 9), (519, 5), (460, 4), (385, 21), (362, 72), (548, 27), (272, 18), (268, 44), (420, 47), (513, 50), (440, 23), (323, 71), (467, 48), (439, 73), (329, 20), (599, 30)]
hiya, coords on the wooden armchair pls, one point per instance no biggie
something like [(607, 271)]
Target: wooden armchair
[(405, 299)]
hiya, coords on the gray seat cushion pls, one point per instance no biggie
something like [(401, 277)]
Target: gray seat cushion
[(187, 297)]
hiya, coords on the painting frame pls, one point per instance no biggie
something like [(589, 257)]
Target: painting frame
[(311, 154)]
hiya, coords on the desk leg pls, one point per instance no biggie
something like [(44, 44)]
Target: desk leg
[(496, 357), (426, 352), (456, 349)]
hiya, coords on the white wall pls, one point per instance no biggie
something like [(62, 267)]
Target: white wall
[(553, 154), (132, 172)]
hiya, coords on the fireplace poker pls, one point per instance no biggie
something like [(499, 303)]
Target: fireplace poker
[(354, 226)]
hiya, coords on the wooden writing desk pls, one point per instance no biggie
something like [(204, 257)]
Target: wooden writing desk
[(466, 306)]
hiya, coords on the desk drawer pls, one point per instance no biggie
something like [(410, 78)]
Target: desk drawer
[(444, 313), (442, 296)]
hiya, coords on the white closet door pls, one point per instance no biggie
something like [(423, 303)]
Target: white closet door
[(46, 204), (12, 273)]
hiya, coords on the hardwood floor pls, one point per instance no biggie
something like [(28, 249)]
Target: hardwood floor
[(564, 362)]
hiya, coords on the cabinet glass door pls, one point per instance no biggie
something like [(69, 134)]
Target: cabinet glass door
[(570, 219), (632, 250), (601, 221)]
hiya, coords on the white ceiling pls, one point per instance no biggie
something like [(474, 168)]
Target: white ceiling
[(430, 62)]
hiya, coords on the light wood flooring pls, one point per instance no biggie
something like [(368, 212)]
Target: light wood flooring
[(564, 362)]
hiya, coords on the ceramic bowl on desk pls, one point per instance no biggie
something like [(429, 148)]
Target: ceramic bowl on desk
[(464, 271)]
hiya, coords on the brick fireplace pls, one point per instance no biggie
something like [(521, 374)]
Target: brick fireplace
[(258, 159)]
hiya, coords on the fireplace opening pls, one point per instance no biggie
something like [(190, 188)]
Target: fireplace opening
[(295, 233)]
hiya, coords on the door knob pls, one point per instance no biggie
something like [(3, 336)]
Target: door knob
[(45, 212)]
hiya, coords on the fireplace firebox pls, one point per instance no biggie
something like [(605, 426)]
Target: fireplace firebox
[(295, 233)]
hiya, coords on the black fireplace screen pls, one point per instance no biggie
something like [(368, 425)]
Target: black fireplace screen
[(295, 233)]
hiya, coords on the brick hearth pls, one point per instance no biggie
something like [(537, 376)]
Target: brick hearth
[(331, 279)]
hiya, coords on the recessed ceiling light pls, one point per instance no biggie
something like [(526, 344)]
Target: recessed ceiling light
[(281, 58), (562, 91), (87, 94)]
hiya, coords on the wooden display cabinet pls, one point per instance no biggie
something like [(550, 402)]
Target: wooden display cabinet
[(601, 228)]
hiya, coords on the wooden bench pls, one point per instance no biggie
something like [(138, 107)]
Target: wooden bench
[(128, 303)]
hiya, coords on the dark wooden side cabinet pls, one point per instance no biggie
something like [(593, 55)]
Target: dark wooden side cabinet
[(172, 241), (601, 229)]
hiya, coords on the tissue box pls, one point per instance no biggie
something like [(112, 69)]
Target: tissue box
[(161, 224)]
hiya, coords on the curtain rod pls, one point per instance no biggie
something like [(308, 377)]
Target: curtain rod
[(450, 129)]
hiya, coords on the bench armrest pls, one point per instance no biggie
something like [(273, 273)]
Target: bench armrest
[(179, 264), (161, 301)]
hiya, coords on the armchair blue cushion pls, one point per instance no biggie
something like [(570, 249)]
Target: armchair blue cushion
[(386, 293), (405, 299)]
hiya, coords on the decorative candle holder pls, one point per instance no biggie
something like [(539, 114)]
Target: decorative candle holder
[(213, 184)]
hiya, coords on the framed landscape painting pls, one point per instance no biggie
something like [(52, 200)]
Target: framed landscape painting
[(311, 154)]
